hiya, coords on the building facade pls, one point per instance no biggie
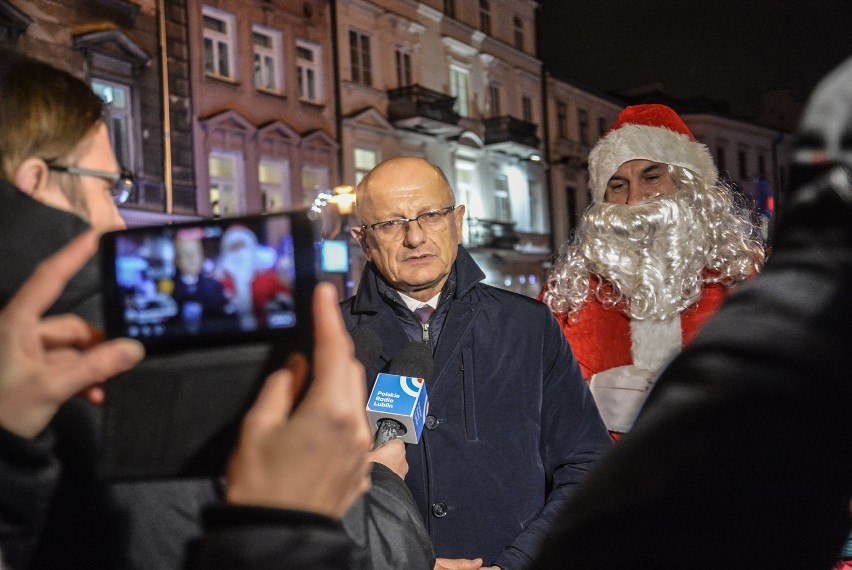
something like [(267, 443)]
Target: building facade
[(115, 45), (233, 107)]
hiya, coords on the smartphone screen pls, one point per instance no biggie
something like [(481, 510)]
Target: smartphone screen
[(213, 281)]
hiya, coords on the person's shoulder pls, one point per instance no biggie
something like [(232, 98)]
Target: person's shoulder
[(508, 299)]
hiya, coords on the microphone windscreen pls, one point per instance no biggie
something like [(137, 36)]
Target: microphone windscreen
[(368, 346), (415, 359)]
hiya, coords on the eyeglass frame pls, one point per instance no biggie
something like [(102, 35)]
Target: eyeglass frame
[(405, 221), (122, 182)]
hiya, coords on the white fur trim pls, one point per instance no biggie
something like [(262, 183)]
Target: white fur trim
[(655, 342), (658, 144)]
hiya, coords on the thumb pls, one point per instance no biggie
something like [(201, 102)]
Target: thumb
[(273, 403)]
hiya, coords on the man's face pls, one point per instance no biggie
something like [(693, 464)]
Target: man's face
[(637, 180), (419, 263), (189, 257), (94, 200)]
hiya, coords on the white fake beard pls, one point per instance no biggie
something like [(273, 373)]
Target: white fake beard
[(241, 269), (653, 254)]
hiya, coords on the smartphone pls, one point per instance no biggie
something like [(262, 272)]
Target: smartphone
[(219, 305), (212, 282)]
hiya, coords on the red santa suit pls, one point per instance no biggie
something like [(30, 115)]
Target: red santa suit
[(601, 337)]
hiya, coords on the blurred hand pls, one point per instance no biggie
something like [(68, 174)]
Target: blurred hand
[(458, 564), (45, 361), (316, 459), (392, 456)]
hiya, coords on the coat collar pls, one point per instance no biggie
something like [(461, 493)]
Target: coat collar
[(373, 290)]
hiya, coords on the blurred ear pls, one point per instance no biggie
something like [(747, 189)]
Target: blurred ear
[(458, 220), (360, 234), (31, 176)]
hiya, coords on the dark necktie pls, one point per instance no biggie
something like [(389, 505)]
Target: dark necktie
[(423, 313)]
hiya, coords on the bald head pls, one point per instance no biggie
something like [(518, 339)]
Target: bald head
[(404, 173)]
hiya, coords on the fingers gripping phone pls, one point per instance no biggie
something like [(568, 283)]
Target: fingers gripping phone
[(218, 304)]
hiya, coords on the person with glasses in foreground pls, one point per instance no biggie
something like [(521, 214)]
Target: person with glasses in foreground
[(511, 427), (58, 179)]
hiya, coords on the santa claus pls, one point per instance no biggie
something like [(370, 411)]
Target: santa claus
[(654, 256), (250, 281)]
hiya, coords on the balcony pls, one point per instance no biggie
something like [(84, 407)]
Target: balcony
[(491, 233), (511, 136), (420, 109)]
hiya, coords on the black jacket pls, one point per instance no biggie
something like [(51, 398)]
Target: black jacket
[(512, 427)]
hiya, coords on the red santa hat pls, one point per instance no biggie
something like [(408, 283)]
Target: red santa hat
[(647, 132)]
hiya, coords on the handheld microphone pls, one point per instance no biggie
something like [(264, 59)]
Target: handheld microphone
[(398, 402)]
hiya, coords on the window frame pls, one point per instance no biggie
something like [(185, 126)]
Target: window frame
[(275, 53), (360, 57), (309, 72), (217, 39)]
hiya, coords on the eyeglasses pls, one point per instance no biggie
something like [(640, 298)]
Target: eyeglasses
[(122, 182), (433, 221)]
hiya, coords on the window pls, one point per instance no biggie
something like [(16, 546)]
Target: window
[(450, 8), (562, 119), (720, 159), (119, 121), (361, 67), (465, 187), (761, 166), (267, 59), (403, 67), (314, 179), (274, 176), (601, 126), (519, 32), (365, 160), (219, 43), (503, 210), (225, 177), (743, 165), (494, 99), (535, 203), (526, 108), (308, 71), (583, 125), (485, 16), (460, 89)]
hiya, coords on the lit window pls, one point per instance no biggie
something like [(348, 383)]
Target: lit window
[(274, 176), (501, 198), (225, 183), (365, 160), (314, 179), (460, 89), (219, 43)]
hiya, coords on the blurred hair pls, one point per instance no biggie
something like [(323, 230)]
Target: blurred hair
[(653, 258), (45, 112)]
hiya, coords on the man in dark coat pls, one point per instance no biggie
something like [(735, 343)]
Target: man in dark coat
[(511, 428)]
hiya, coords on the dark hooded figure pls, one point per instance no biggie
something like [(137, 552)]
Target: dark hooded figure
[(741, 456)]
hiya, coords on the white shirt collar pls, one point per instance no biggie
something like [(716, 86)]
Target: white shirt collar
[(414, 303)]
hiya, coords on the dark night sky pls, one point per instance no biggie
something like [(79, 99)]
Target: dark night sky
[(727, 50)]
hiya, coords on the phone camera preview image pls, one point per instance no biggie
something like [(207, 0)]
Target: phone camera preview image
[(208, 280)]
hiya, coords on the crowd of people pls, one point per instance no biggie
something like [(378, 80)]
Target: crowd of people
[(738, 458)]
